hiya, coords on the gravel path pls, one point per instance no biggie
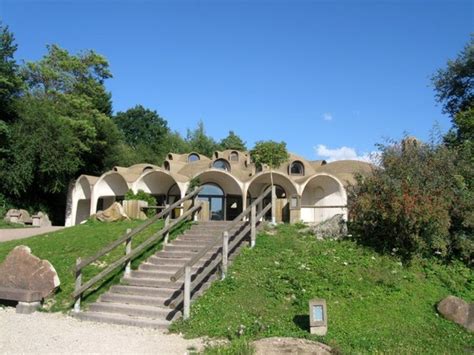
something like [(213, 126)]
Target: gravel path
[(53, 333), (20, 233)]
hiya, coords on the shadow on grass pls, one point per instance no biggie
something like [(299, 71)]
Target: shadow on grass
[(302, 321)]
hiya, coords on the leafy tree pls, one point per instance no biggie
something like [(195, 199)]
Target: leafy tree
[(200, 142), (145, 132), (269, 153), (454, 88), (10, 82), (175, 143), (232, 141), (60, 73), (142, 126), (418, 202)]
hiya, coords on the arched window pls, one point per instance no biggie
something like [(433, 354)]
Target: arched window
[(193, 157), (167, 165), (210, 189), (234, 156), (170, 156), (147, 168), (297, 168), (221, 164)]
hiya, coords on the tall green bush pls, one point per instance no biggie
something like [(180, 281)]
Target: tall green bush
[(417, 202)]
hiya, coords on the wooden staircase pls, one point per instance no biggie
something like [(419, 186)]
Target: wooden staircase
[(147, 297)]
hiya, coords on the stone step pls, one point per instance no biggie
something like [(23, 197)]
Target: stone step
[(191, 241), (123, 320), (135, 299), (186, 248), (153, 283), (135, 310), (158, 260), (151, 274), (145, 291), (166, 268)]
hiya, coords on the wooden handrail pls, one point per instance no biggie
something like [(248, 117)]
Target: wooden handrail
[(212, 244), (131, 254), (143, 246), (134, 231)]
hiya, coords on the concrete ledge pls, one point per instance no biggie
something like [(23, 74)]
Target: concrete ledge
[(27, 307), (21, 295)]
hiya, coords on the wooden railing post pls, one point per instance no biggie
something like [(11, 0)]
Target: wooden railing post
[(128, 250), (273, 204), (253, 226), (167, 222), (77, 304), (195, 215), (187, 292), (225, 253)]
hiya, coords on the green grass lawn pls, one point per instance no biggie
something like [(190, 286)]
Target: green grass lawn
[(63, 247), (375, 304)]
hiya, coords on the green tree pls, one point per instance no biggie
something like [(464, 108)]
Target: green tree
[(175, 143), (200, 142), (418, 202), (269, 153), (232, 141), (62, 128), (142, 126), (61, 73), (454, 86), (10, 82)]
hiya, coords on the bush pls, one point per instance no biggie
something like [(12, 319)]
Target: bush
[(143, 196), (418, 202)]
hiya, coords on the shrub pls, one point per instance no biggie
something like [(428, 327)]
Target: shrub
[(142, 195), (418, 202)]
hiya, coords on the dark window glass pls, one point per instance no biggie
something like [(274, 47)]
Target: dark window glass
[(193, 157), (297, 168), (221, 164)]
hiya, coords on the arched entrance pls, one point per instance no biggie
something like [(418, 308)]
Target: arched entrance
[(284, 187), (225, 197), (215, 198), (109, 188), (159, 184), (323, 197)]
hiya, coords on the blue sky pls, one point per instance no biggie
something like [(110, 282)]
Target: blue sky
[(332, 73)]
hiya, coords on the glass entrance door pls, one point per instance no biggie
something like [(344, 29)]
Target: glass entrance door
[(214, 195)]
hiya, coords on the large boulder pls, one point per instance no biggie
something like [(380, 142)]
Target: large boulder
[(332, 228), (18, 216), (23, 270), (275, 346), (41, 220), (457, 310), (112, 214)]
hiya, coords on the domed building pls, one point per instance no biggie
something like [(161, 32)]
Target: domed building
[(308, 191)]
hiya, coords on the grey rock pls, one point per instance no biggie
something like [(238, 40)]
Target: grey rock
[(22, 270), (457, 310), (112, 214), (332, 228), (18, 216), (41, 220)]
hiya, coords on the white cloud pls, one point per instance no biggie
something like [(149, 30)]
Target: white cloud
[(344, 153), (327, 116)]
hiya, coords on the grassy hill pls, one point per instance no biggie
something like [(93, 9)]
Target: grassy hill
[(63, 247), (375, 304)]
